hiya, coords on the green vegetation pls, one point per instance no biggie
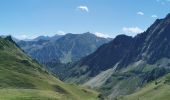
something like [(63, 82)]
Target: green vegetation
[(133, 78), (22, 78), (155, 90)]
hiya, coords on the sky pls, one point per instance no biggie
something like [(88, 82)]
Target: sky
[(26, 19)]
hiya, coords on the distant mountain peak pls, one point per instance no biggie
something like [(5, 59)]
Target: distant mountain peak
[(87, 33), (65, 48), (135, 60), (168, 16), (122, 36), (41, 38)]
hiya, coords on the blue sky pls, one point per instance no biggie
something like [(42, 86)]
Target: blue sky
[(31, 18)]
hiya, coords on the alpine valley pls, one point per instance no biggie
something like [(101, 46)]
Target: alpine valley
[(22, 78), (84, 50), (126, 68)]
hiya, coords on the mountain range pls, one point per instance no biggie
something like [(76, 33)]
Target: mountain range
[(123, 68), (62, 48), (126, 64), (22, 78)]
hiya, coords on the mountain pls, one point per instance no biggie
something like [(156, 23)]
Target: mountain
[(64, 49), (22, 78), (125, 64), (156, 90), (53, 38), (14, 39), (41, 38)]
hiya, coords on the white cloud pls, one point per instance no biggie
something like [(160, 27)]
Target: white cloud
[(154, 16), (132, 30), (61, 33), (83, 8), (103, 35), (25, 37), (140, 13)]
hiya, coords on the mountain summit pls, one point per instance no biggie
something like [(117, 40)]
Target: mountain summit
[(62, 49), (22, 78), (127, 63)]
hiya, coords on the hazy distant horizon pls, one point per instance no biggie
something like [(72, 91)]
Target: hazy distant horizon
[(34, 37)]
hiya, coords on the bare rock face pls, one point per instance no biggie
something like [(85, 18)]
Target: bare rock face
[(63, 49), (139, 59)]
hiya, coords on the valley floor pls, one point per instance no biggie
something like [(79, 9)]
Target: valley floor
[(33, 94)]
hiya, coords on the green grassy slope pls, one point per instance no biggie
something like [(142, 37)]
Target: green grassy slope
[(22, 78), (156, 90)]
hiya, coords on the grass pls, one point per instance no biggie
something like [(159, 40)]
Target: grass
[(152, 91), (29, 94), (22, 78), (133, 78)]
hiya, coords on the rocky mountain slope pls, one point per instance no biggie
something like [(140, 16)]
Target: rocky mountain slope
[(125, 64), (22, 78), (63, 49)]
